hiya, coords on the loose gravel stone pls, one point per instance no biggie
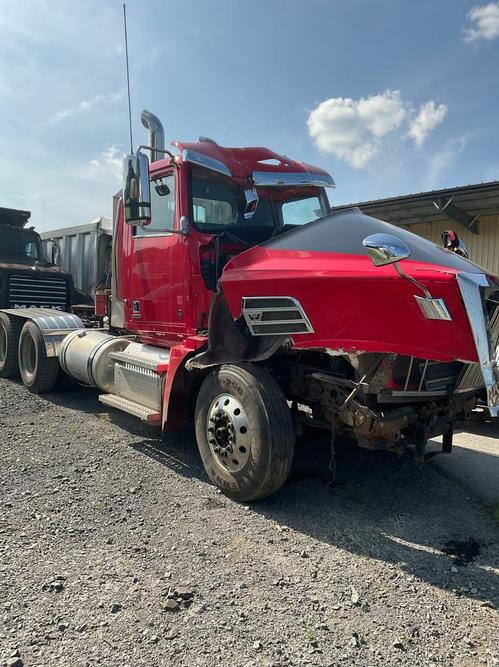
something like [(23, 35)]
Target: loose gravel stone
[(75, 540), (171, 605), (14, 662)]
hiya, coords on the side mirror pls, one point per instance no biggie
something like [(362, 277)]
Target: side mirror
[(452, 242), (251, 202), (136, 190), (385, 249), (56, 252)]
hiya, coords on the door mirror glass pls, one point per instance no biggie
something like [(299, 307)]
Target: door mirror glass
[(136, 190), (251, 202), (385, 249)]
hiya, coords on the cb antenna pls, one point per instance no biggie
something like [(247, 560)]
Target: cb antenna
[(128, 80)]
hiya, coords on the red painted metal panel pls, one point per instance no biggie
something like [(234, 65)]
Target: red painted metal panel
[(354, 306)]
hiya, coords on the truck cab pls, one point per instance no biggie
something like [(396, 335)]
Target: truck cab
[(207, 205)]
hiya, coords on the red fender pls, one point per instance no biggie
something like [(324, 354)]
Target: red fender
[(174, 389)]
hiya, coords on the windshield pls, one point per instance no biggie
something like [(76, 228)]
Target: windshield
[(15, 241), (218, 204)]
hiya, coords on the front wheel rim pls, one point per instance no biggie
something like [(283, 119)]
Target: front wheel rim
[(228, 433)]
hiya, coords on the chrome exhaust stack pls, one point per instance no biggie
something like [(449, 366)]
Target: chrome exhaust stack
[(156, 133)]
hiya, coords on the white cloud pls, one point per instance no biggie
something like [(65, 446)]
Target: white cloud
[(109, 162), (427, 119), (353, 130), (485, 20), (86, 106)]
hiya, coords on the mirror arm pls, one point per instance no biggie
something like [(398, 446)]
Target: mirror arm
[(183, 231), (158, 150), (415, 282)]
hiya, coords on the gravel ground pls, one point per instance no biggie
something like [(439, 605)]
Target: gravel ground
[(116, 550)]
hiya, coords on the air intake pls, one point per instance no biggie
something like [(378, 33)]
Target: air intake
[(275, 315)]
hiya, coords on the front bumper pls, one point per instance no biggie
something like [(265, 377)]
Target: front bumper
[(485, 328)]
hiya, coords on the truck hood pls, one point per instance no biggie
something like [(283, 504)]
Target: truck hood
[(351, 305), (21, 263)]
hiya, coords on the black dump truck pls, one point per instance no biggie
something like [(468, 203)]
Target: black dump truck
[(27, 279)]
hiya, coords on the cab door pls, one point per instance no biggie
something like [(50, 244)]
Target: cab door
[(155, 303)]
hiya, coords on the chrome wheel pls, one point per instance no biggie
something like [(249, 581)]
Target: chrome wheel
[(228, 433)]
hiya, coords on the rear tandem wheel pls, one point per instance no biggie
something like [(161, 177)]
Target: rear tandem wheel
[(38, 371), (10, 330)]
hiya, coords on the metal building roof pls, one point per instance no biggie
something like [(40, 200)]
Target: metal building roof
[(464, 204)]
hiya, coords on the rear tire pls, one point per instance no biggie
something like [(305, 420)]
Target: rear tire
[(10, 330), (244, 431), (38, 372)]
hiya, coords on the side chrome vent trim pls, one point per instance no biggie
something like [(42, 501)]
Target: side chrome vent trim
[(275, 316)]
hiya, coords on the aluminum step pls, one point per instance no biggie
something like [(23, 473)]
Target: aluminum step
[(148, 364), (135, 409)]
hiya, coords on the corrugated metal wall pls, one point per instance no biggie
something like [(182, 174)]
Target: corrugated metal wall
[(483, 248)]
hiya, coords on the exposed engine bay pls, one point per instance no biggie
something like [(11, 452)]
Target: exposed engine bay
[(382, 401)]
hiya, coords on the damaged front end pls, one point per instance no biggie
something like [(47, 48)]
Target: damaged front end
[(388, 355), (387, 400), (382, 401)]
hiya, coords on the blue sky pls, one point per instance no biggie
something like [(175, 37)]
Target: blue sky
[(390, 96)]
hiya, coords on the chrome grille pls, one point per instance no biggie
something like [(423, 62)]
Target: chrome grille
[(26, 291)]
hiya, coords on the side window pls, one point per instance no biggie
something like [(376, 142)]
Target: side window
[(162, 207), (31, 250)]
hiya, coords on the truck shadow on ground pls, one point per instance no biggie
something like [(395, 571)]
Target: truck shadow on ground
[(371, 504), (481, 423)]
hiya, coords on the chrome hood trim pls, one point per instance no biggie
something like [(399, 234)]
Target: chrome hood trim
[(471, 286)]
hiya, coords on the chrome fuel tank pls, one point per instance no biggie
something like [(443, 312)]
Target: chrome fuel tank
[(84, 355)]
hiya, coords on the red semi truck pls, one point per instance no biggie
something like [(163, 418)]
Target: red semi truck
[(238, 301)]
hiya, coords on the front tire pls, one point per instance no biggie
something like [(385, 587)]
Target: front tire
[(38, 372), (244, 431)]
